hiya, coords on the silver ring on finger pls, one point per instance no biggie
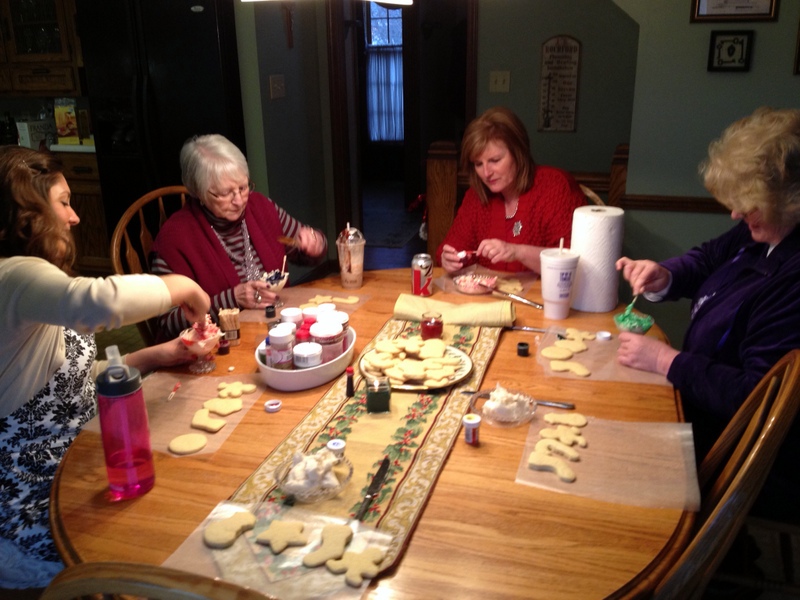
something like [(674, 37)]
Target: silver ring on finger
[(258, 298)]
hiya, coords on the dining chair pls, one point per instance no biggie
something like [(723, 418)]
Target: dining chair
[(591, 195), (730, 477), (133, 237), (144, 581), (729, 498)]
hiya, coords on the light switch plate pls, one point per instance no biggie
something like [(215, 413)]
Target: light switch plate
[(499, 81)]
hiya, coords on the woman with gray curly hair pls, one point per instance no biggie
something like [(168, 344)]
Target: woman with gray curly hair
[(227, 235), (745, 290)]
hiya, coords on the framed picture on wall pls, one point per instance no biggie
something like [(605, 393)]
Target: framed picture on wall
[(730, 50), (734, 10)]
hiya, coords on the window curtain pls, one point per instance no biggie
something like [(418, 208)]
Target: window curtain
[(385, 92)]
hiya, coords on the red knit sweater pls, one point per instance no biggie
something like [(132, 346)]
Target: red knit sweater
[(545, 212)]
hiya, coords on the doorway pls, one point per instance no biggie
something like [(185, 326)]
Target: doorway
[(438, 63)]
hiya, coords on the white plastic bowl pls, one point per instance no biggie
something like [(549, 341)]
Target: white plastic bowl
[(303, 379)]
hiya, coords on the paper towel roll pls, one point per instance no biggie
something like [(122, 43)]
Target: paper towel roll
[(597, 237)]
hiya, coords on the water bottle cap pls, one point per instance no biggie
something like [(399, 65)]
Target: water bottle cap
[(118, 379)]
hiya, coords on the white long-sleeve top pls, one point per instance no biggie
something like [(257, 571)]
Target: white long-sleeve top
[(37, 300)]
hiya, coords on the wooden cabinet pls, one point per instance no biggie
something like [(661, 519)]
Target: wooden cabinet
[(91, 234), (38, 47)]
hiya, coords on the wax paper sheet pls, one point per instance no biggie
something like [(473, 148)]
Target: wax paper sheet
[(283, 575), (345, 300), (600, 358), (637, 464), (169, 419)]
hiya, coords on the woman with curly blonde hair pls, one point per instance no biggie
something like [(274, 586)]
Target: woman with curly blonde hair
[(744, 287)]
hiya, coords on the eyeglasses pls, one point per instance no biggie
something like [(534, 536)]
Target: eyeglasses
[(242, 190)]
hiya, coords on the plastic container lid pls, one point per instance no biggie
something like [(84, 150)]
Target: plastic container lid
[(282, 334), (350, 235), (269, 311), (292, 315), (326, 329)]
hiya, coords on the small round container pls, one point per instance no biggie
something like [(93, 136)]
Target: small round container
[(337, 316), (292, 315), (523, 349), (269, 311), (330, 336), (472, 425), (281, 341), (343, 470), (307, 354), (310, 314), (337, 447), (506, 416), (302, 335), (431, 325), (325, 307)]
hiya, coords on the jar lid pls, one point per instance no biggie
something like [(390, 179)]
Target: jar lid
[(303, 335), (326, 329), (471, 420), (307, 349), (281, 334), (269, 311), (292, 314)]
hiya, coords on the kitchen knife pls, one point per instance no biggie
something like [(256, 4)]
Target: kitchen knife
[(512, 296), (373, 489), (559, 334), (552, 403)]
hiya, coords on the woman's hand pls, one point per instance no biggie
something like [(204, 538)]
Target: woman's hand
[(643, 275), (645, 353), (451, 262), (497, 251), (187, 294), (155, 357), (253, 294), (310, 241)]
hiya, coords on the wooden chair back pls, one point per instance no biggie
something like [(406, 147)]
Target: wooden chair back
[(133, 237), (729, 485), (144, 581), (445, 186), (772, 407), (591, 196)]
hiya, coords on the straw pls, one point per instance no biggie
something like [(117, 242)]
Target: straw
[(561, 246), (283, 266)]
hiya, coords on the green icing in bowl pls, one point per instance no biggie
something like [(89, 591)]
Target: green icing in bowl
[(633, 322)]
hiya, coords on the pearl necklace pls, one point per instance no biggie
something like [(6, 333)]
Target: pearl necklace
[(517, 227)]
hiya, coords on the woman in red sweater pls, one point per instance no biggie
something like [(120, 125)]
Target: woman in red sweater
[(514, 208)]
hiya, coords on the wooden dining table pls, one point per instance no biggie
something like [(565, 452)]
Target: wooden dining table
[(481, 534)]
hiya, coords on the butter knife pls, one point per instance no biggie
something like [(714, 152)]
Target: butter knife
[(373, 489), (512, 296)]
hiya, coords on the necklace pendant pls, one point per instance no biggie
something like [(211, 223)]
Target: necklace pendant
[(517, 228)]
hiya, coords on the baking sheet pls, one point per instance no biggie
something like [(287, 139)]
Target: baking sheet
[(283, 575), (171, 419), (600, 358), (637, 464)]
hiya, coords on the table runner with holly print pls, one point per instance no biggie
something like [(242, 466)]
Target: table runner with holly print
[(416, 435)]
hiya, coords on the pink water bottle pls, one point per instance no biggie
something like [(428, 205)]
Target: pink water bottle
[(124, 429)]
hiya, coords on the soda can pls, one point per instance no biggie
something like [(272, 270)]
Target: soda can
[(422, 275)]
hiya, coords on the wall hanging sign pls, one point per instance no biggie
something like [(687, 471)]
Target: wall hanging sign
[(558, 83), (734, 10), (730, 50)]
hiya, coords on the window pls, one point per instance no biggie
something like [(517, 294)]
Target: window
[(384, 44)]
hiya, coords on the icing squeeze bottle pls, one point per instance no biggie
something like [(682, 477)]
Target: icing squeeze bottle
[(124, 429)]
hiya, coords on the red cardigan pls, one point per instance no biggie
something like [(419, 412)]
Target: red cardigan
[(545, 211), (189, 246)]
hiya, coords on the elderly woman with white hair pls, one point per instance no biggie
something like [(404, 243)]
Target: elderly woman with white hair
[(227, 235), (745, 291)]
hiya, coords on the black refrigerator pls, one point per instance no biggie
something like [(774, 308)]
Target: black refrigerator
[(156, 72)]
